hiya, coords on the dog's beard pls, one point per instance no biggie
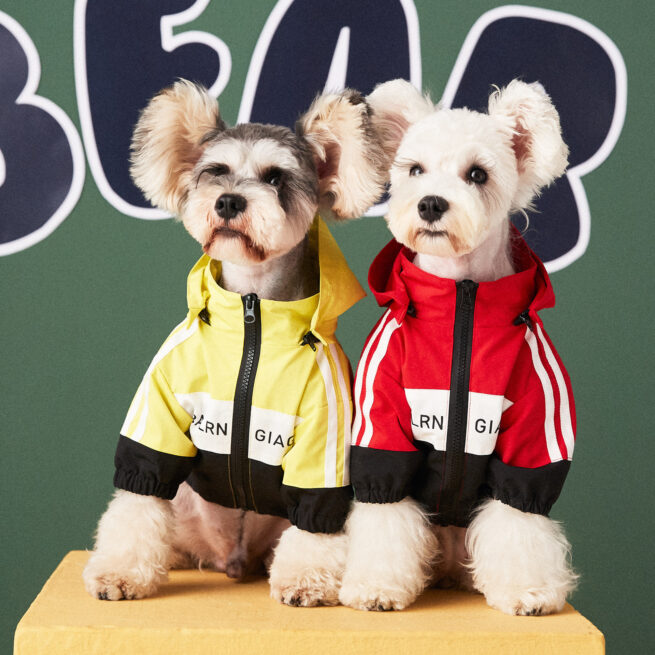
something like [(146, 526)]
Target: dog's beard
[(436, 242), (229, 244)]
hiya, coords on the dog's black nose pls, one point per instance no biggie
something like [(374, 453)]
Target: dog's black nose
[(431, 208), (230, 205)]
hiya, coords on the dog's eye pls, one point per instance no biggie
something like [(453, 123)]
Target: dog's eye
[(416, 170), (273, 177), (477, 175)]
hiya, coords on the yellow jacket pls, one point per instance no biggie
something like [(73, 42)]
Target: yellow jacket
[(249, 400)]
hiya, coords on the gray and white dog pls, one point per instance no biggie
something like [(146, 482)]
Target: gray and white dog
[(248, 194)]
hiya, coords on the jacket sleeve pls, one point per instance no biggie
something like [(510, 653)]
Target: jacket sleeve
[(537, 432), (384, 459), (154, 453), (316, 481)]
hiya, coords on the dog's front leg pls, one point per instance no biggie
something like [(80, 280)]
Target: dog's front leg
[(519, 561), (391, 552), (307, 568), (132, 549)]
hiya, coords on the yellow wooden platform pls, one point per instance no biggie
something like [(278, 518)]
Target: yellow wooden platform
[(204, 612)]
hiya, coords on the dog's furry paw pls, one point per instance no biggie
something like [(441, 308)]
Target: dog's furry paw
[(391, 551), (307, 568), (364, 596), (519, 561), (535, 602), (310, 588), (107, 582)]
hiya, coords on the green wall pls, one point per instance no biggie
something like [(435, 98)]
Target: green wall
[(84, 311)]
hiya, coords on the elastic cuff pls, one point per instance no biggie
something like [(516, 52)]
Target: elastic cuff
[(317, 510), (529, 490), (144, 485), (528, 505), (383, 476), (366, 494), (316, 523)]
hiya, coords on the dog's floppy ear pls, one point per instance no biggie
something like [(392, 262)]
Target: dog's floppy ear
[(168, 141), (396, 105), (349, 159), (541, 154)]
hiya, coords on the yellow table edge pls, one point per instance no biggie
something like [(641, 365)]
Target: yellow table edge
[(204, 612)]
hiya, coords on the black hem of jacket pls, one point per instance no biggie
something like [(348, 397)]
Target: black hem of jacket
[(386, 476), (383, 476), (148, 472), (317, 510)]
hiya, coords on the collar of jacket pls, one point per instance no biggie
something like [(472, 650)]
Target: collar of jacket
[(284, 321), (397, 283)]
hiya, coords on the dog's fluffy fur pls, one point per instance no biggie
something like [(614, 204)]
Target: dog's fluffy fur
[(519, 561), (379, 575), (184, 159)]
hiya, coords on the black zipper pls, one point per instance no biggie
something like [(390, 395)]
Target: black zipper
[(459, 400), (252, 337)]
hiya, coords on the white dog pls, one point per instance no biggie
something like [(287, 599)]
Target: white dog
[(464, 414), (241, 425)]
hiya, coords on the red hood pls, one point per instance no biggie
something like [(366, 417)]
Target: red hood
[(396, 283)]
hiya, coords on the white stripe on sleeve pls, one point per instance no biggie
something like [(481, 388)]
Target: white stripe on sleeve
[(347, 414), (549, 422), (332, 424), (172, 342), (565, 410), (376, 358), (359, 377)]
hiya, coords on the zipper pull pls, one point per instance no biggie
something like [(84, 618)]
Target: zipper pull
[(524, 317), (249, 308), (309, 340), (203, 315)]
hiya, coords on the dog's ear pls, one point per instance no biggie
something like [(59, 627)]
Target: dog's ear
[(169, 139), (396, 105), (347, 152), (541, 154)]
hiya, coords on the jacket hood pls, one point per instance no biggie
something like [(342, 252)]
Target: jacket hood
[(339, 290), (397, 283)]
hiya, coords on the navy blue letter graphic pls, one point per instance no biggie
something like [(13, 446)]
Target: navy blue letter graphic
[(583, 72), (41, 159), (311, 46), (126, 52)]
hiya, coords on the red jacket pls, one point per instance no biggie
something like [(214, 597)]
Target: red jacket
[(460, 394)]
